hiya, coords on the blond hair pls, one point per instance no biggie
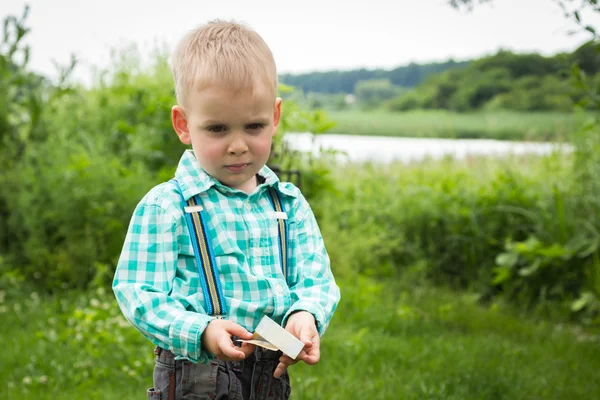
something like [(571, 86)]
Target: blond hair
[(222, 53)]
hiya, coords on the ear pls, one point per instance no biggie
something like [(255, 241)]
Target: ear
[(180, 125), (276, 115)]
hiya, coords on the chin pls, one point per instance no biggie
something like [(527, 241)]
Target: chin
[(235, 182)]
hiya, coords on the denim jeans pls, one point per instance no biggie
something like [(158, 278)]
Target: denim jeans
[(250, 379)]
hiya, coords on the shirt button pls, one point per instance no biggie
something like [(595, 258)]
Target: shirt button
[(279, 289), (258, 252), (248, 206)]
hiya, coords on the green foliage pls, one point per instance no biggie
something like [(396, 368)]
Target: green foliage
[(465, 3), (345, 81), (20, 107), (530, 94), (69, 210), (371, 93), (317, 101), (514, 229), (504, 81), (68, 190)]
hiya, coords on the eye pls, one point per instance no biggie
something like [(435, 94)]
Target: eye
[(217, 128), (255, 126)]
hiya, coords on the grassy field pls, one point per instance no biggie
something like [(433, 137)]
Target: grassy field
[(386, 342), (446, 124)]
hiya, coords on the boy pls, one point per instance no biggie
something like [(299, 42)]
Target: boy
[(256, 260)]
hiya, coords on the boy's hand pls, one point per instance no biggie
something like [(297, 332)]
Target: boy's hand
[(217, 340), (302, 325)]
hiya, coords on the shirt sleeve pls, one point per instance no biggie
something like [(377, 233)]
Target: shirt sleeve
[(144, 278), (312, 286)]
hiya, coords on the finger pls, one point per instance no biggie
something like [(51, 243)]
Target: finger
[(280, 370), (312, 357), (229, 351), (288, 360), (247, 349), (313, 353), (306, 338), (237, 330)]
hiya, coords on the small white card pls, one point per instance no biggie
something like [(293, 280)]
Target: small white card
[(270, 335)]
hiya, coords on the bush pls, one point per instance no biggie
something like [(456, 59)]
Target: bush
[(491, 227)]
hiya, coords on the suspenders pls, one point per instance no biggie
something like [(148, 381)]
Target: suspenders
[(283, 233), (196, 217)]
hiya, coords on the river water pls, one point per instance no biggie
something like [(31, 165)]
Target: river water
[(388, 149)]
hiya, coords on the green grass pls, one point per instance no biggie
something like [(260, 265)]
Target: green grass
[(385, 342), (446, 124)]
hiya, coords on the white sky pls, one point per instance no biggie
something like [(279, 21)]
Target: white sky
[(305, 35)]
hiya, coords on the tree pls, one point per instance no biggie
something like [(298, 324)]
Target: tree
[(373, 92)]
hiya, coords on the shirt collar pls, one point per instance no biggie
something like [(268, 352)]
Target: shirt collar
[(194, 180)]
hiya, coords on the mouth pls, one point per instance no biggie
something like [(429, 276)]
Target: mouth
[(237, 167)]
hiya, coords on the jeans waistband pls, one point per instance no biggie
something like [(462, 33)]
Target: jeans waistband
[(167, 357)]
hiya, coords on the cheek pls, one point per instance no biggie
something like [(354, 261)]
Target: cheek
[(208, 151), (262, 146)]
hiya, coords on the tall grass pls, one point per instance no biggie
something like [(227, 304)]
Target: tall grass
[(507, 125)]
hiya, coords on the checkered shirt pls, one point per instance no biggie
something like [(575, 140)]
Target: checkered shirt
[(157, 283)]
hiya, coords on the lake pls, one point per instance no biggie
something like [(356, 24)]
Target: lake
[(388, 149)]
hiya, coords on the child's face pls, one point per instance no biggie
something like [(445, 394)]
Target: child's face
[(230, 133)]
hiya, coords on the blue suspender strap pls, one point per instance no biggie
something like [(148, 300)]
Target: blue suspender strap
[(195, 217), (283, 229)]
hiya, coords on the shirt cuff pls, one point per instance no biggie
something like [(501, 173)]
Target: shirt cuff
[(186, 334), (315, 310)]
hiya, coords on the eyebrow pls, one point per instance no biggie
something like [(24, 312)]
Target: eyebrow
[(254, 120), (209, 122)]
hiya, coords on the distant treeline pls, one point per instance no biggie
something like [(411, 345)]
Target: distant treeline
[(502, 81), (506, 81), (345, 81)]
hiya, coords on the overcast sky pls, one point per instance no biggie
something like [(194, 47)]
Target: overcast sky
[(305, 35)]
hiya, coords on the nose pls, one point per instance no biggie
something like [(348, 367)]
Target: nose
[(237, 145)]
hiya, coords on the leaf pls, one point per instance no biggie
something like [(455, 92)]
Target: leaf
[(582, 302), (507, 260), (502, 275), (553, 251), (532, 269), (590, 29), (529, 245), (587, 248)]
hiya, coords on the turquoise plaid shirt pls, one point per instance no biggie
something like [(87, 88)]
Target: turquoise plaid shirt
[(157, 282)]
